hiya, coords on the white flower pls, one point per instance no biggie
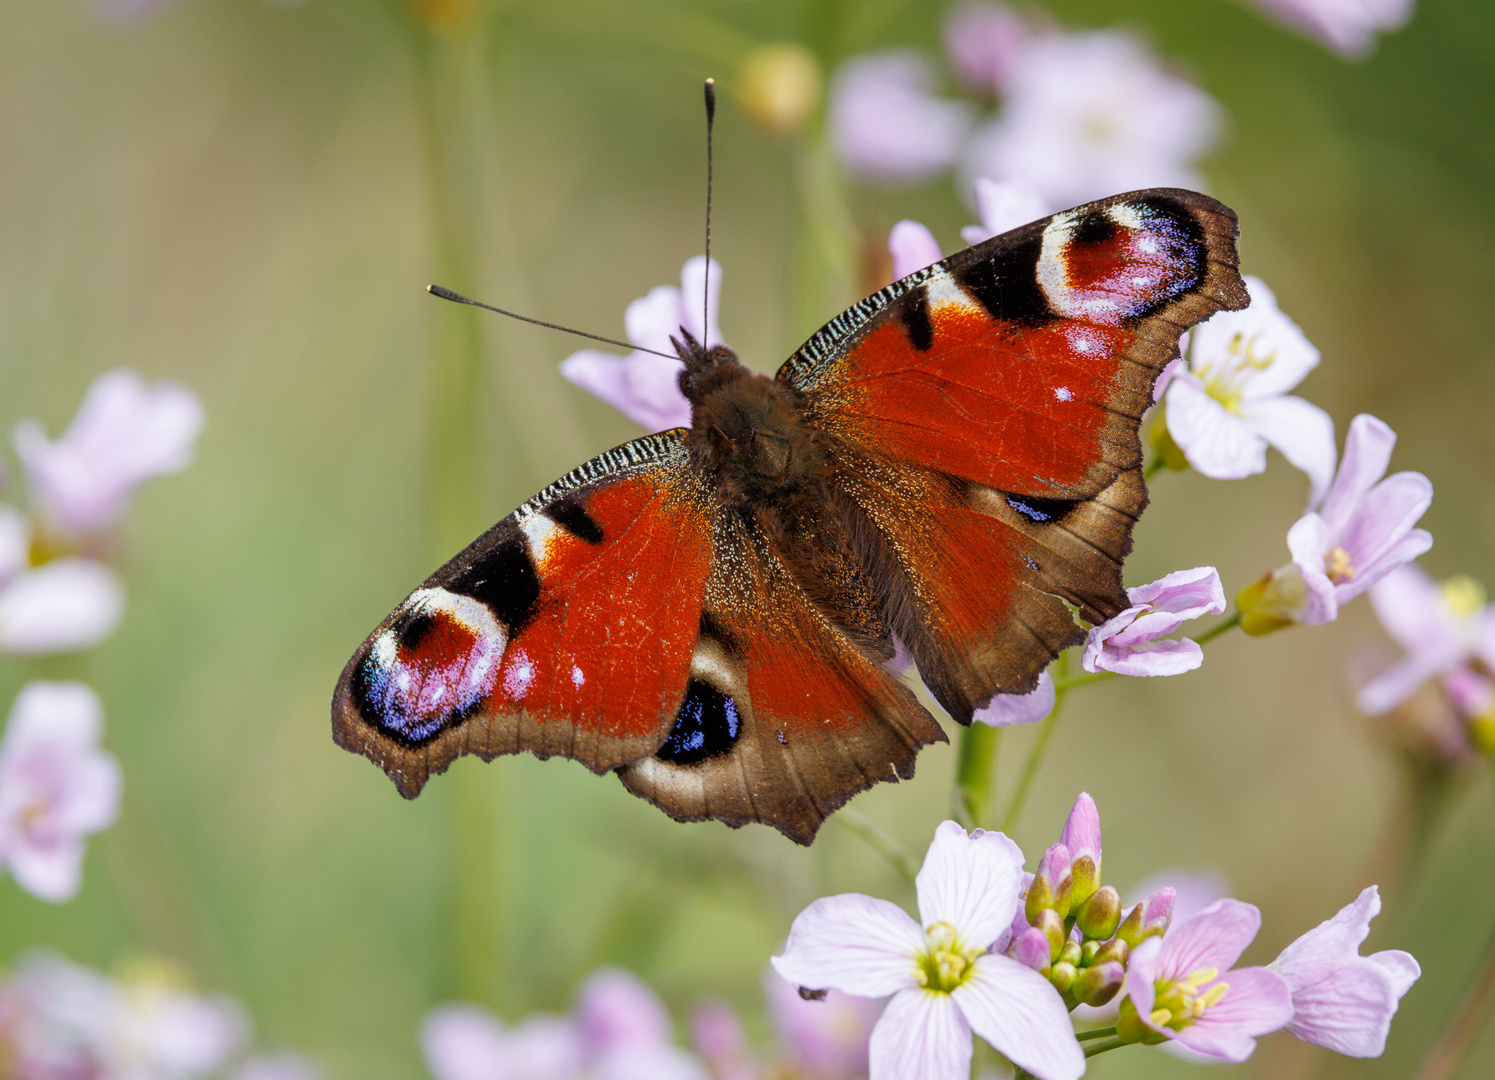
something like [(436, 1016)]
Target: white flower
[(60, 606), (1349, 27), (943, 981), (56, 786), (1003, 207), (1134, 641), (125, 432), (643, 386), (1090, 114), (1005, 710), (886, 123), (160, 1031), (1231, 401)]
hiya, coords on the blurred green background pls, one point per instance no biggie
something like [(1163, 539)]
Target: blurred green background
[(251, 198)]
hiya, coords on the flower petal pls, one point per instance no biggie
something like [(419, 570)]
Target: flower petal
[(1082, 828), (1380, 522), (1327, 946), (61, 606), (1367, 453), (1005, 710), (1002, 207), (643, 387), (1309, 541), (1412, 609), (887, 125), (913, 247), (52, 871), (921, 1036), (1142, 973), (1155, 658), (1258, 1002), (1019, 1012), (1302, 432), (1188, 593), (1215, 938), (1402, 967), (1395, 685), (826, 1037), (695, 304), (616, 1008), (1347, 1010), (1215, 441), (970, 882), (463, 1042), (852, 943)]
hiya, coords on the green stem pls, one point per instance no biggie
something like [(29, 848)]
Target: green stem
[(1040, 744), (1155, 466), (1098, 1033), (1085, 678), (979, 748), (1102, 1047), (879, 842), (1219, 628), (1463, 1031)]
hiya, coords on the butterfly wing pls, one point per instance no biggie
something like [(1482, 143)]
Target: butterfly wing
[(984, 414), (567, 628)]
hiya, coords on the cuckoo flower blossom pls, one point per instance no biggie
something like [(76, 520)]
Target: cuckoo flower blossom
[(56, 786), (1090, 114), (1342, 1000), (1129, 644), (825, 1038), (1231, 401), (62, 605), (1349, 27), (1448, 631), (126, 432), (1001, 207), (1180, 986), (888, 125), (984, 42), (1005, 710), (642, 386), (944, 982)]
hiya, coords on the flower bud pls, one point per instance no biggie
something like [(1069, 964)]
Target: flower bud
[(1085, 876), (1131, 1029), (1115, 949), (1062, 975), (781, 86), (1031, 948), (1273, 602), (1040, 899), (1101, 914), (1088, 952), (1157, 912), (1052, 885), (1130, 930), (1051, 926), (1070, 954), (1098, 984)]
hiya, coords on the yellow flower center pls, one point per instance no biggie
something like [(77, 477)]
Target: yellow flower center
[(1180, 1003), (946, 961), (1337, 565), (1463, 595), (1228, 384)]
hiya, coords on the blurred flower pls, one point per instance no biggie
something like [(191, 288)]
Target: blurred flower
[(780, 86), (123, 11), (1446, 629), (825, 1038), (464, 1042), (642, 386), (56, 786), (125, 432), (913, 247), (278, 1067), (1349, 27), (1175, 988), (887, 124), (1090, 114), (984, 42), (61, 606), (1189, 891), (1001, 208), (1230, 402), (1129, 644), (943, 981), (720, 1040), (1342, 1000), (1005, 710), (70, 1023)]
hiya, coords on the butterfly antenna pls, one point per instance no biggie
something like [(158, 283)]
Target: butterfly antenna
[(458, 298), (706, 291)]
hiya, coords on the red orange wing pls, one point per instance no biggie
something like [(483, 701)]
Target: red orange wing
[(983, 412)]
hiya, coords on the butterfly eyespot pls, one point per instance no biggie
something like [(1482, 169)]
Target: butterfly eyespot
[(707, 725), (435, 664), (1040, 511)]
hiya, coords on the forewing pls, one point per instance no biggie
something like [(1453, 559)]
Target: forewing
[(565, 629)]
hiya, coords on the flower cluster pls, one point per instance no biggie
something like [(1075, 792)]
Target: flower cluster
[(59, 1021), (989, 956), (1349, 27), (1081, 115)]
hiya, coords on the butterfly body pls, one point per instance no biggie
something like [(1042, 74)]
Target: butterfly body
[(951, 464)]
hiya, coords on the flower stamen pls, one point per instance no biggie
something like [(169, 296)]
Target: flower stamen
[(946, 962), (1337, 566)]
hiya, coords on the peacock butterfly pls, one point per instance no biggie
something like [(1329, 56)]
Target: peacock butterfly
[(952, 462)]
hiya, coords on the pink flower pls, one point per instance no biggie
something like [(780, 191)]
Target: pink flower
[(1128, 643), (1188, 891), (720, 1041), (1364, 530), (886, 123), (1005, 710), (1447, 630), (463, 1042), (1090, 114), (278, 1067), (984, 42), (1349, 27), (1231, 400), (943, 981), (913, 247), (1175, 987), (642, 386), (825, 1038), (1003, 207), (61, 606), (125, 433), (56, 786), (1341, 1000)]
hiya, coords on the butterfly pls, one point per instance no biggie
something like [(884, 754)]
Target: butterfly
[(952, 464)]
